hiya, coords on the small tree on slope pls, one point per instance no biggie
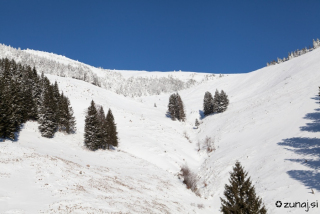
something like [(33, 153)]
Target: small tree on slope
[(207, 103), (92, 128), (240, 196), (112, 138)]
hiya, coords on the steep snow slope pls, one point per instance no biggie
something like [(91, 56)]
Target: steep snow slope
[(271, 127)]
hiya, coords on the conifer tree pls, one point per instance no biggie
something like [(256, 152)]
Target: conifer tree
[(176, 107), (48, 125), (103, 128), (71, 121), (56, 99), (224, 101), (207, 103), (180, 109), (111, 130), (92, 128), (216, 102), (172, 106), (240, 195)]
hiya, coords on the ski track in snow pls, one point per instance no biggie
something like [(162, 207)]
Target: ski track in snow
[(271, 127)]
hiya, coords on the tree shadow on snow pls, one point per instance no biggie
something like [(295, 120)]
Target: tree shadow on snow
[(201, 114), (309, 147), (315, 125), (306, 147)]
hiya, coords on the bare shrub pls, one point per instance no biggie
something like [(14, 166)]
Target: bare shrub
[(199, 146), (187, 136), (209, 144), (189, 178), (200, 206)]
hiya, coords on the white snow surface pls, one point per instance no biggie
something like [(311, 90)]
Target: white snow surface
[(271, 126)]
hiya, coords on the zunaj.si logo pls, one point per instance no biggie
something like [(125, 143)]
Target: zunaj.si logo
[(278, 204), (305, 205)]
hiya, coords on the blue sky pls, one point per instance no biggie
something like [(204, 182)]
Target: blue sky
[(163, 35)]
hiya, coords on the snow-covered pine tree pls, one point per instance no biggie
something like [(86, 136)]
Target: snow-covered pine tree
[(216, 102), (103, 128), (48, 125), (62, 113), (224, 101), (55, 104), (207, 103), (92, 128), (172, 106), (181, 116), (240, 195), (29, 105), (71, 121), (112, 130)]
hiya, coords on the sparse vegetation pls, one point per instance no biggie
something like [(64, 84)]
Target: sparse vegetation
[(189, 178)]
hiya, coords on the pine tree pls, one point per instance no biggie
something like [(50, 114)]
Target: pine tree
[(56, 99), (240, 196), (176, 107), (92, 128), (111, 130), (207, 103), (172, 106), (48, 125), (216, 102), (224, 101), (180, 109), (196, 123), (103, 128), (71, 121)]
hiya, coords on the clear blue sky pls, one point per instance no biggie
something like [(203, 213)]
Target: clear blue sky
[(164, 35)]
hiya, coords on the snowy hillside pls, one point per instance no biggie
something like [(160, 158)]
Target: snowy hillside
[(271, 127), (127, 83)]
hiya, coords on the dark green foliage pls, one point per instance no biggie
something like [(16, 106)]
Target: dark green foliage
[(176, 107), (207, 103), (172, 106), (48, 125), (25, 96), (216, 102), (71, 125), (103, 129), (224, 101), (111, 130), (92, 128), (240, 196), (220, 102), (66, 119)]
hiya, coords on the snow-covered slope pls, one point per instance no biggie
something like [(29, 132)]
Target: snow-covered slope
[(271, 127), (127, 83)]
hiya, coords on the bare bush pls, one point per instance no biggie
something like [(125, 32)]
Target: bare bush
[(199, 146), (209, 144), (200, 206), (189, 178), (187, 136)]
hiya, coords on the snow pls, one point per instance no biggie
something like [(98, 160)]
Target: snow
[(271, 127)]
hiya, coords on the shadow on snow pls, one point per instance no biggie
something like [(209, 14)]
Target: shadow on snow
[(306, 147)]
